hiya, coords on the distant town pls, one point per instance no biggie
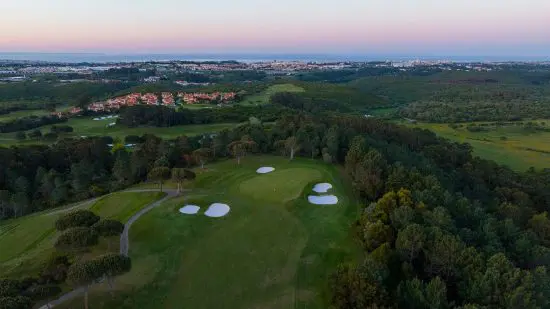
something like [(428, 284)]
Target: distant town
[(154, 71)]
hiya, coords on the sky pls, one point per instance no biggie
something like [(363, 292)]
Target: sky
[(395, 27)]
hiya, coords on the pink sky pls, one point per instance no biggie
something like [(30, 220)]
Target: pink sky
[(288, 26)]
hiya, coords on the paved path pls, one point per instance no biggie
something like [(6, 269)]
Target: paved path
[(124, 243)]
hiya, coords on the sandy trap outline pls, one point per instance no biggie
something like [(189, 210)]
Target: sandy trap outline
[(265, 170)]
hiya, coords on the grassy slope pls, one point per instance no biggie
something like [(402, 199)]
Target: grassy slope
[(513, 151), (30, 239), (273, 250), (263, 97)]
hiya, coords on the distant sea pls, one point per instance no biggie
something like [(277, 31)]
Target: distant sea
[(106, 58)]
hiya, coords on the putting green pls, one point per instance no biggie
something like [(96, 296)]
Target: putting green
[(272, 250), (280, 185)]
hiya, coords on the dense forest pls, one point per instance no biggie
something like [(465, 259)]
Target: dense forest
[(463, 96)]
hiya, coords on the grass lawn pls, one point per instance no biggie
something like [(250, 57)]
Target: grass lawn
[(86, 126), (507, 145), (273, 249), (30, 239), (263, 97), (198, 106), (24, 113), (122, 205)]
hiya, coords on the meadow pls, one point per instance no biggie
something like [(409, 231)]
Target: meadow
[(510, 145), (273, 249), (263, 97), (30, 239)]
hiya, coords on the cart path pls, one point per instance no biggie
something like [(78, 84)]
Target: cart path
[(124, 243)]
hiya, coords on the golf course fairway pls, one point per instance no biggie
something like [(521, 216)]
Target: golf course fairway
[(272, 250)]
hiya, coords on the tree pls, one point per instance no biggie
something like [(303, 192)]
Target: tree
[(375, 234), (410, 241), (108, 228), (369, 174), (82, 174), (540, 224), (239, 148), (20, 136), (76, 239), (355, 154), (114, 265), (201, 155), (86, 273), (122, 169), (35, 134), (15, 302), (159, 174), (77, 218), (290, 145), (415, 294), (179, 175)]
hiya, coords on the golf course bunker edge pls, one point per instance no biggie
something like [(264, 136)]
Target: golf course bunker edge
[(323, 199), (322, 187), (217, 210), (189, 209), (265, 170)]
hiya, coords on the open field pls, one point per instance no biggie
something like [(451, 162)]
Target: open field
[(30, 239), (273, 249), (508, 145), (263, 97), (86, 126)]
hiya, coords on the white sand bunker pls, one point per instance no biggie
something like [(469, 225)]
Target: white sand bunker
[(217, 210), (265, 170), (323, 199), (322, 187), (189, 209)]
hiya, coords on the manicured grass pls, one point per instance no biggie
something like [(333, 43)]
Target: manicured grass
[(508, 145), (273, 249), (86, 126), (24, 113), (29, 240), (263, 97), (122, 205), (198, 106)]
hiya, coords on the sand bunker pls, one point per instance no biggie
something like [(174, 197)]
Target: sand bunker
[(323, 199), (217, 210), (265, 170), (189, 209), (322, 187)]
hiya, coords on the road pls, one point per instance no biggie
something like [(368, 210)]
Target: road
[(124, 242)]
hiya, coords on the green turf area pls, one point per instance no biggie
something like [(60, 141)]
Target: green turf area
[(273, 249), (25, 113), (30, 239), (198, 106), (263, 97), (508, 145), (121, 206), (86, 126)]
